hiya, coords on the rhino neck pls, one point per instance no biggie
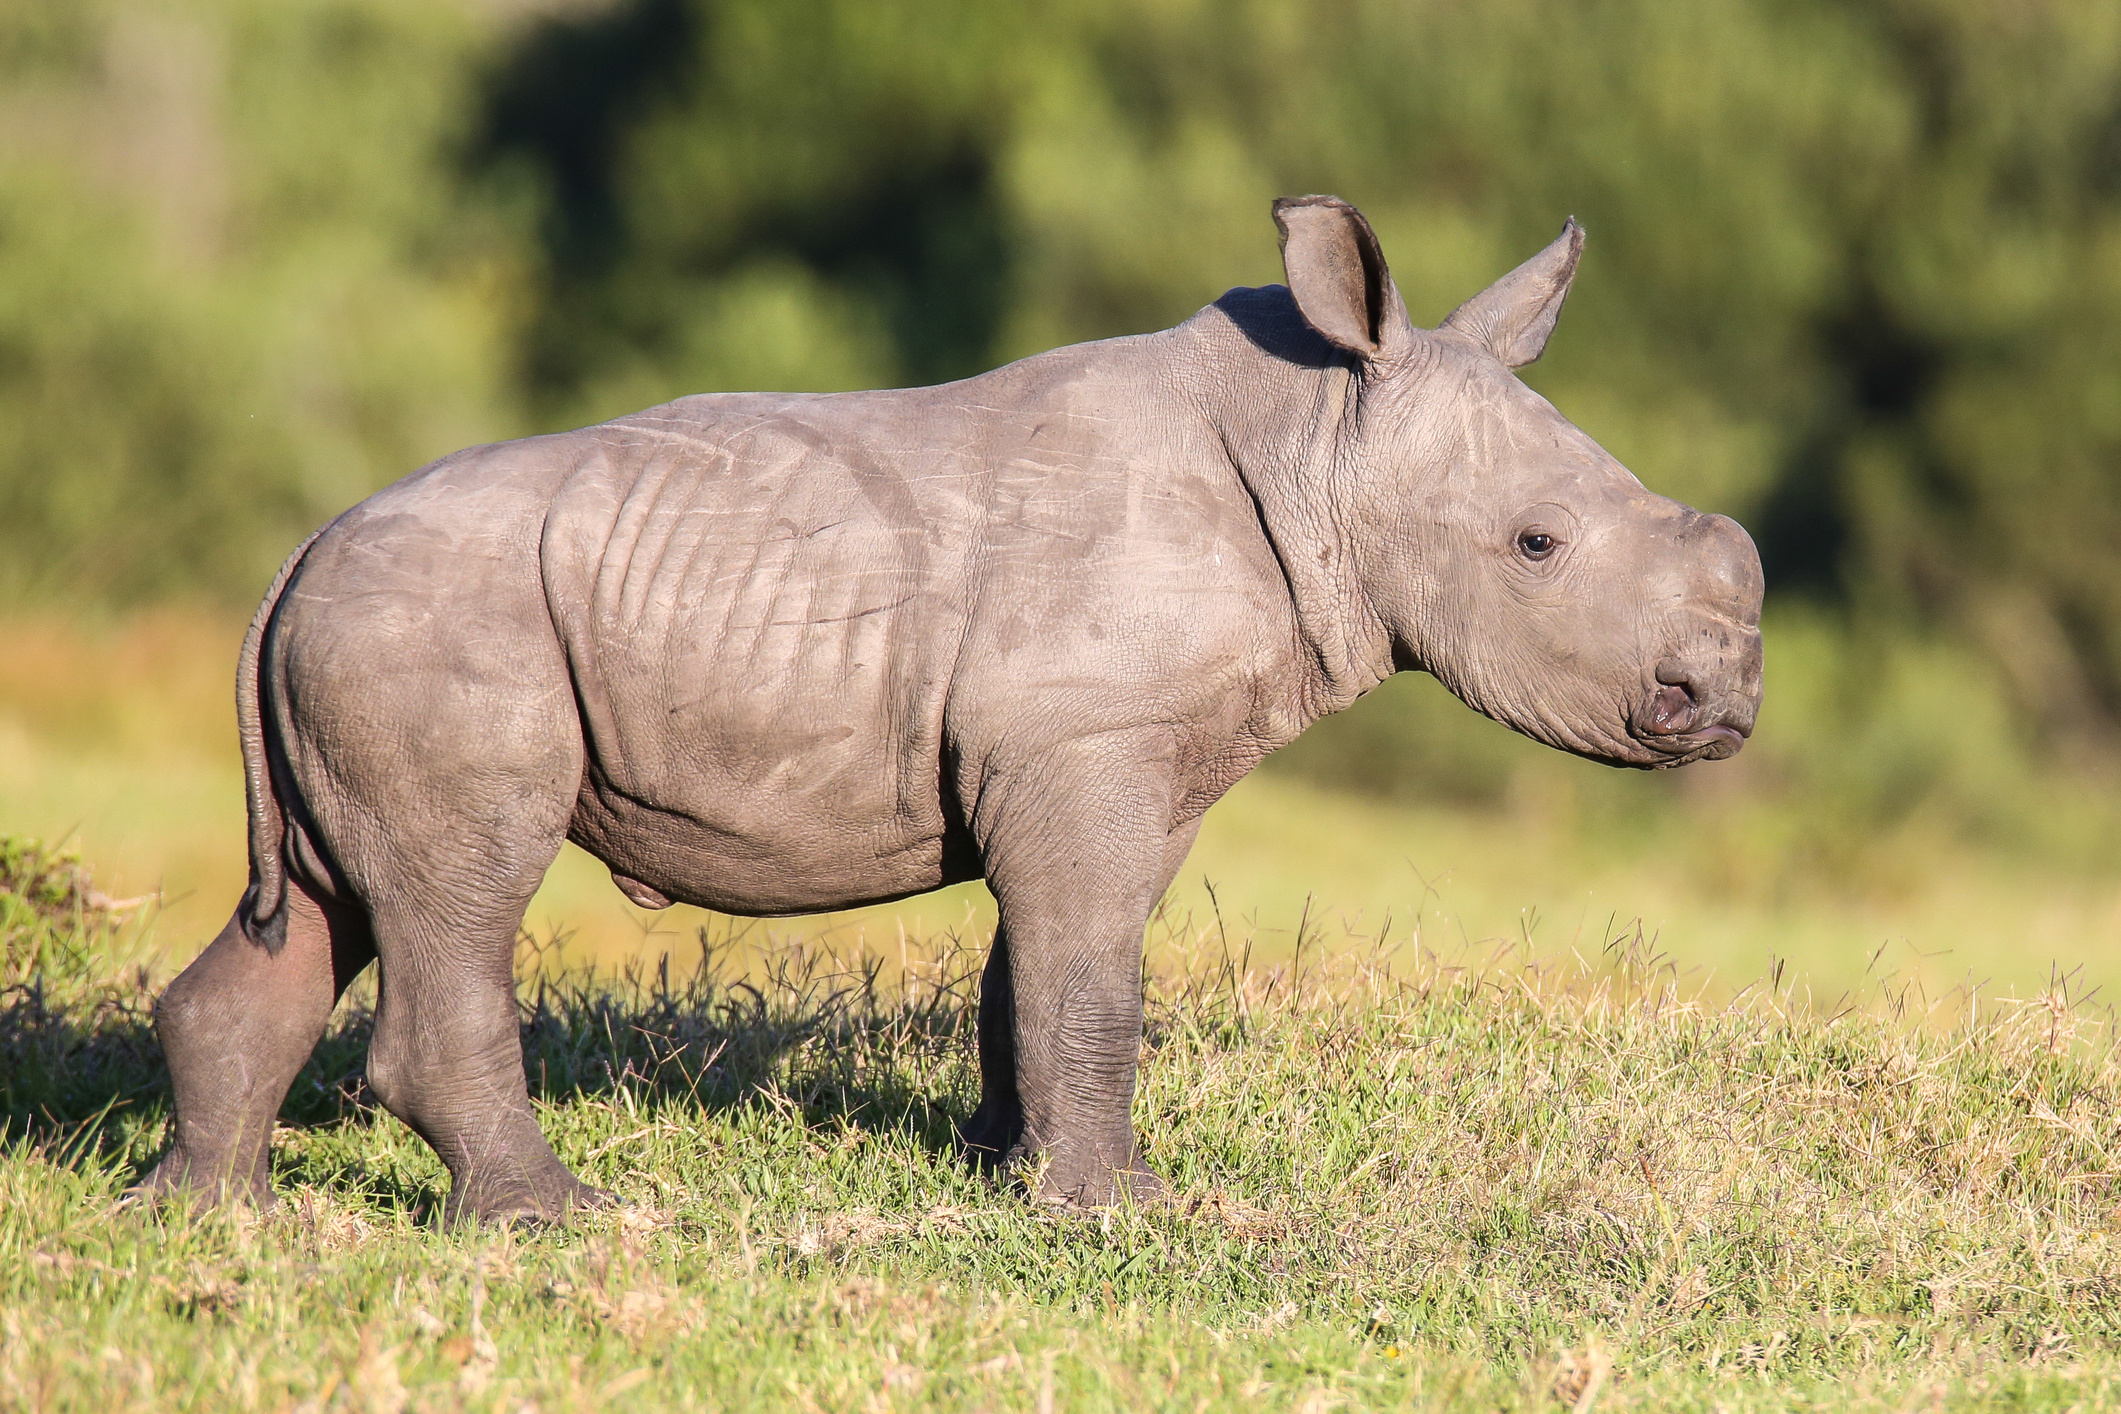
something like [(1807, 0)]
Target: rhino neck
[(1284, 403)]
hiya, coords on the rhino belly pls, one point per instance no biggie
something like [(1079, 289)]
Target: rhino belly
[(765, 784), (800, 863)]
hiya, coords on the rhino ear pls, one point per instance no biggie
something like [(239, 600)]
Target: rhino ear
[(1336, 271), (1514, 316)]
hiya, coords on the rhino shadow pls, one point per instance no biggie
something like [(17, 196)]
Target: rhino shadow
[(1268, 317), (813, 1036)]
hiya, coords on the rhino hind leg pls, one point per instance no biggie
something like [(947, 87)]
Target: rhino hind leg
[(447, 875), (439, 791), (236, 1027), (447, 1058)]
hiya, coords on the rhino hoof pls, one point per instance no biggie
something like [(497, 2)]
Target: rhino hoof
[(1093, 1188), (176, 1183), (524, 1209)]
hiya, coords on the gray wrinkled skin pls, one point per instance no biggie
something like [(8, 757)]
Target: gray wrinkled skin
[(778, 653)]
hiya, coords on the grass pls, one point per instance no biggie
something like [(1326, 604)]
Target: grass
[(1403, 1181)]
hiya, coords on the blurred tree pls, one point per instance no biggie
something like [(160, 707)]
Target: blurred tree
[(1855, 272), (1962, 446), (238, 288), (756, 195)]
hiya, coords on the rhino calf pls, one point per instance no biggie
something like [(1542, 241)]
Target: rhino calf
[(778, 653)]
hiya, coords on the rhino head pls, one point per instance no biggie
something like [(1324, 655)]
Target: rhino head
[(1497, 546)]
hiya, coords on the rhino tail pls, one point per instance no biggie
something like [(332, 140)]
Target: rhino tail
[(263, 912)]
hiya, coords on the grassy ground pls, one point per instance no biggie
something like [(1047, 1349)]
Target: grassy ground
[(1482, 1184)]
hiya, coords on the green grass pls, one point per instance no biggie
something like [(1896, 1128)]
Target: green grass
[(1479, 1184)]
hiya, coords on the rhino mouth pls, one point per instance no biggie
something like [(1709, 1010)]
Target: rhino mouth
[(1715, 743), (1676, 730)]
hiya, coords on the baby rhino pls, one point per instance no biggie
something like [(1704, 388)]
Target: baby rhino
[(776, 653)]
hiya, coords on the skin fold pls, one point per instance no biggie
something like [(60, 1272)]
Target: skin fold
[(781, 653)]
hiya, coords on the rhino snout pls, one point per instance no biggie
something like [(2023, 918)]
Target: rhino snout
[(1703, 695)]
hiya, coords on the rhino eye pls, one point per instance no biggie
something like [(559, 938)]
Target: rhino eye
[(1537, 544)]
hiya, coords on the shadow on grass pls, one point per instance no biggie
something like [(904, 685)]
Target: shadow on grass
[(811, 1034)]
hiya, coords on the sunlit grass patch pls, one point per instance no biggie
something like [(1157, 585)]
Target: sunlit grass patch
[(1494, 1181)]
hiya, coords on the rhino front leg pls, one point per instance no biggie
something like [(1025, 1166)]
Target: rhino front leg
[(992, 1132), (1077, 847)]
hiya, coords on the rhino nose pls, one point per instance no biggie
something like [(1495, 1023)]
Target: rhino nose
[(1702, 709), (1703, 693), (1686, 698)]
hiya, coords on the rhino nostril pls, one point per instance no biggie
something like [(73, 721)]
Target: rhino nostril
[(1672, 707), (1673, 672)]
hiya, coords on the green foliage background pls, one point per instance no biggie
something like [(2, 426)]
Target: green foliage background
[(1855, 278)]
